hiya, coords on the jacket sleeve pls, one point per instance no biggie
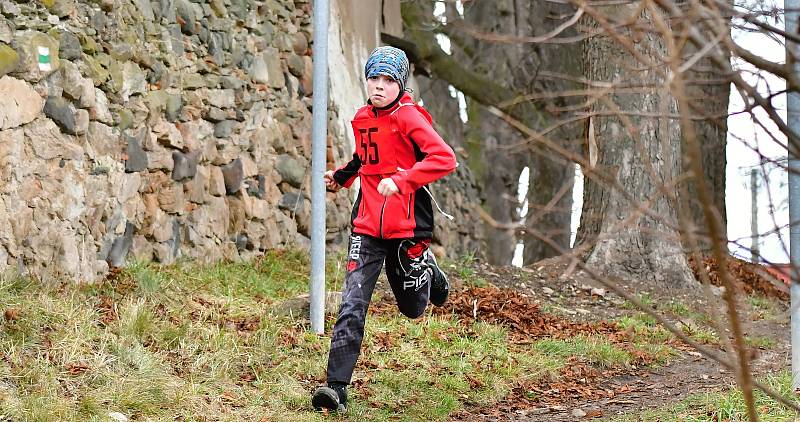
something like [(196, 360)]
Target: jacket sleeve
[(346, 174), (439, 159)]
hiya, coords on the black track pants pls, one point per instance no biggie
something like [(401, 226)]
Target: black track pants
[(409, 277)]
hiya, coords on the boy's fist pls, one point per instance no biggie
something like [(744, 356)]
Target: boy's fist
[(330, 182), (387, 187)]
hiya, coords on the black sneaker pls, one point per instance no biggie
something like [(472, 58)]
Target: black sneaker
[(440, 287), (333, 397)]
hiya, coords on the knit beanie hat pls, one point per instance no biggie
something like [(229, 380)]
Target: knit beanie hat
[(388, 61)]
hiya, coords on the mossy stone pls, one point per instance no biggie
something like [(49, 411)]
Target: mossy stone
[(9, 59), (95, 70), (125, 119)]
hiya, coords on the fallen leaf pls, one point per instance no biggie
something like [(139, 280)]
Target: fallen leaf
[(11, 314)]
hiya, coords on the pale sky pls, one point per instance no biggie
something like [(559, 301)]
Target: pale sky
[(773, 211)]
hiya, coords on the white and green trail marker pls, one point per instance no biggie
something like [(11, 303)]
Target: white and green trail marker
[(44, 59)]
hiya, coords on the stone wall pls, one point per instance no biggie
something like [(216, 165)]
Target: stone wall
[(167, 129)]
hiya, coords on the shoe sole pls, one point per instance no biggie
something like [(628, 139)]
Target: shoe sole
[(326, 398)]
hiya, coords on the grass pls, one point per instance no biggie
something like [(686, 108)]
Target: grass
[(189, 342), (723, 406), (763, 308), (645, 298), (463, 268), (592, 349)]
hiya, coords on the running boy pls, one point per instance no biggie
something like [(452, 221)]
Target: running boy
[(397, 154)]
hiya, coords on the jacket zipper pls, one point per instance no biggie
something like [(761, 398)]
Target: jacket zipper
[(383, 208), (410, 201)]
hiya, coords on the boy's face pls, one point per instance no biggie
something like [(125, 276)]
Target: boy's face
[(382, 90)]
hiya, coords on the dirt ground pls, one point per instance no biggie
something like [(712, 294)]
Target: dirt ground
[(575, 303)]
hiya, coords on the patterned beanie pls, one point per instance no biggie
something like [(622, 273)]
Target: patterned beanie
[(388, 61)]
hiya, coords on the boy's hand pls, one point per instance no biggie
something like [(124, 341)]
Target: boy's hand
[(330, 182), (387, 187)]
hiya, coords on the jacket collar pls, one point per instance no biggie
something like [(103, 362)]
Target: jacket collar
[(403, 98)]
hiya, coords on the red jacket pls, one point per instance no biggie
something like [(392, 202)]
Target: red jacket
[(397, 142)]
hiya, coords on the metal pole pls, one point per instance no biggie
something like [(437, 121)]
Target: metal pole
[(792, 9), (754, 250), (319, 136)]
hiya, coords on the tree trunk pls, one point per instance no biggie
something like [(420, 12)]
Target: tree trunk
[(708, 93), (552, 176), (628, 225), (517, 66)]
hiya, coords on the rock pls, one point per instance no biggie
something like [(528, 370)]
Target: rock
[(174, 39), (93, 69), (145, 9), (168, 134), (158, 157), (9, 59), (81, 121), (186, 17), (240, 8), (171, 198), (121, 51), (60, 8), (47, 141), (72, 80), (292, 202), (64, 114), (257, 187), (218, 216), (300, 44), (69, 46), (291, 170), (218, 115), (578, 413), (6, 33), (216, 185), (184, 166), (222, 98), (38, 55), (241, 242), (69, 259), (231, 82), (224, 129), (215, 48), (218, 7), (237, 214), (137, 158), (258, 70), (10, 8), (296, 65), (548, 291), (100, 111), (598, 292), (266, 69), (173, 107), (193, 81), (19, 103), (121, 247), (88, 95), (116, 416), (233, 175), (133, 80), (196, 188), (307, 80)]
